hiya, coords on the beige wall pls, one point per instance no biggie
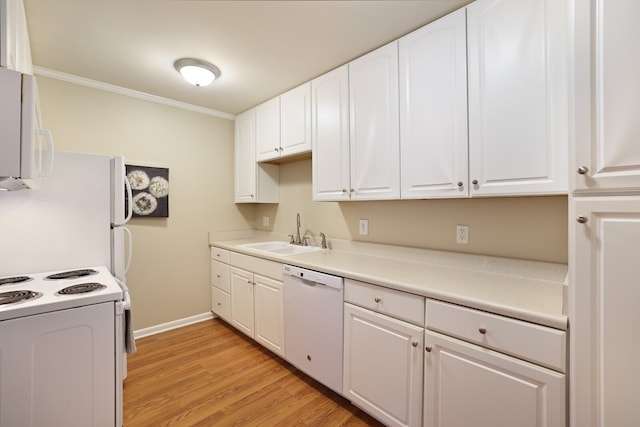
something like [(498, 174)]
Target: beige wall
[(169, 276), (523, 227)]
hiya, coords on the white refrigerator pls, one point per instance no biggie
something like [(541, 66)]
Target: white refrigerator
[(74, 220)]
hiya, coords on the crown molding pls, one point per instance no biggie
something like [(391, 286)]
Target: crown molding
[(70, 78)]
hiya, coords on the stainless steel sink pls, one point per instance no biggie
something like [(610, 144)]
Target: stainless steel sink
[(280, 248)]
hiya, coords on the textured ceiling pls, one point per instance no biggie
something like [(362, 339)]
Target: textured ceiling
[(263, 48)]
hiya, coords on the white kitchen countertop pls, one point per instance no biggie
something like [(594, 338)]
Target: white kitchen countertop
[(527, 290)]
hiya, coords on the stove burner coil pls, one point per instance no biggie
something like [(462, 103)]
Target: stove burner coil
[(17, 296), (72, 274), (12, 280), (81, 288)]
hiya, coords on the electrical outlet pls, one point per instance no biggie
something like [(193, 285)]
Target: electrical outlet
[(462, 234), (364, 227), (265, 221)]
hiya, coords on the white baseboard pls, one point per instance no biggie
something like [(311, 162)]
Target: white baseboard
[(174, 324)]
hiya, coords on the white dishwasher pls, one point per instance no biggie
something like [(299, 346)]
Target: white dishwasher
[(313, 313)]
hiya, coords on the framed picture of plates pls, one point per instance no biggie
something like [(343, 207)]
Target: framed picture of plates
[(150, 188)]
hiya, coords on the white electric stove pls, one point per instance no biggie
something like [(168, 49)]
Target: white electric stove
[(61, 347)]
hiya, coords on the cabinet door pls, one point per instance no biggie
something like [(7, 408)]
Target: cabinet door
[(268, 130), (242, 301), (374, 125), (330, 135), (518, 97), (433, 110), (607, 96), (269, 313), (383, 366), (245, 157), (604, 315), (467, 385), (295, 120)]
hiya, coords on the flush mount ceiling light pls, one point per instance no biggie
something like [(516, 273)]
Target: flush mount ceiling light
[(196, 71)]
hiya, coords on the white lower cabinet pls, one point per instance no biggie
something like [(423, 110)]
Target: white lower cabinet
[(468, 385), (469, 380), (383, 366), (257, 308)]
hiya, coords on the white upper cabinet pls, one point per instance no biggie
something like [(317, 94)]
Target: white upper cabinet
[(607, 96), (518, 55), (283, 125), (15, 52), (433, 110), (253, 182), (374, 125), (330, 135), (295, 121), (268, 130)]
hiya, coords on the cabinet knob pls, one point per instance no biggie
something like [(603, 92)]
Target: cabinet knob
[(482, 330), (583, 170), (219, 303), (352, 190), (344, 191), (428, 349), (460, 184), (281, 149), (218, 255), (377, 299), (218, 276), (249, 282), (277, 149), (251, 195), (474, 182), (414, 343), (309, 357), (582, 219)]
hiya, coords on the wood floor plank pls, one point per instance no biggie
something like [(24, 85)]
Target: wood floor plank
[(209, 374)]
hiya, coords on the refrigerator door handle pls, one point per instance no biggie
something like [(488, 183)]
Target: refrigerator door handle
[(129, 248), (127, 186)]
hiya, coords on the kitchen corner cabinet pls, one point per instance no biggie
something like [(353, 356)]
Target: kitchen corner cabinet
[(607, 97), (604, 315), (374, 125), (15, 51), (283, 125), (518, 77), (433, 110), (330, 136), (257, 301), (382, 353), (268, 130), (488, 370), (254, 183)]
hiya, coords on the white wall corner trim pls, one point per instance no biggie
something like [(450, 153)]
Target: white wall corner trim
[(174, 324), (128, 92)]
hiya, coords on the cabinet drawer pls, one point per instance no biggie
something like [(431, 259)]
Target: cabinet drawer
[(220, 303), (220, 276), (539, 344), (221, 255), (256, 265), (397, 304)]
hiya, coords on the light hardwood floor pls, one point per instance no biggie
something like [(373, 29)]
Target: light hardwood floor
[(208, 374)]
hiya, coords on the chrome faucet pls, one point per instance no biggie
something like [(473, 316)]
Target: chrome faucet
[(298, 240), (323, 245)]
